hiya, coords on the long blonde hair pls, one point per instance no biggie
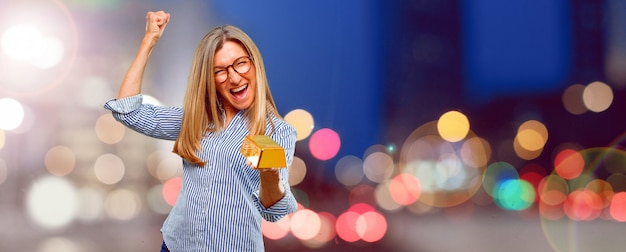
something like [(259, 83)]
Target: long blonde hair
[(201, 111)]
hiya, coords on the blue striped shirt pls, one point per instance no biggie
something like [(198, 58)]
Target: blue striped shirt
[(218, 208)]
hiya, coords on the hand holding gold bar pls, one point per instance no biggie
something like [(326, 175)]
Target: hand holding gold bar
[(263, 152)]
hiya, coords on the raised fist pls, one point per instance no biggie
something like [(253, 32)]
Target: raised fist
[(155, 23)]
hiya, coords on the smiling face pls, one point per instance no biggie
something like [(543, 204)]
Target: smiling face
[(238, 91)]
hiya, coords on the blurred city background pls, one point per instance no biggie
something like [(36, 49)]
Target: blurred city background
[(423, 125)]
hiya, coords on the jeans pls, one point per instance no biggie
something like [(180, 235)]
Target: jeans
[(164, 248)]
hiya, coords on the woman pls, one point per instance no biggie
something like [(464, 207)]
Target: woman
[(223, 197)]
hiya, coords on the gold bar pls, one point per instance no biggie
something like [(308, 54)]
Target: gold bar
[(263, 152)]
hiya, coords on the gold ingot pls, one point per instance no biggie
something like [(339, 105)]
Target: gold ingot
[(263, 152)]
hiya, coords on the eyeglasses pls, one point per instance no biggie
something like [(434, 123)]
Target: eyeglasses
[(241, 65)]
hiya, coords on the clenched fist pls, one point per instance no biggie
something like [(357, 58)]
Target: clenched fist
[(155, 24)]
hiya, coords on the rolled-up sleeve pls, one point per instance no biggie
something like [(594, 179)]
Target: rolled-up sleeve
[(274, 213), (154, 121)]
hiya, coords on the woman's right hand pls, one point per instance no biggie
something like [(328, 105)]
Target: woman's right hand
[(155, 24)]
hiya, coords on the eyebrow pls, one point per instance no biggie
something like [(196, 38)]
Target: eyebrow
[(245, 56)]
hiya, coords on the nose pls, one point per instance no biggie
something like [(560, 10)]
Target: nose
[(233, 76)]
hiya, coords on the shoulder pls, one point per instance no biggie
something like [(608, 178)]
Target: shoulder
[(280, 126)]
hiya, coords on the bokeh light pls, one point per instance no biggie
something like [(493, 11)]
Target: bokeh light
[(524, 153), (371, 226), (598, 96), (346, 226), (497, 173), (164, 165), (530, 139), (553, 190), (532, 135), (4, 172), (405, 189), (305, 224), (91, 204), (50, 54), (324, 144), (476, 152), (382, 194), (22, 42), (603, 189), (171, 190), (453, 126), (302, 120), (109, 169), (60, 160), (122, 204), (2, 138), (326, 232), (108, 130), (29, 121), (12, 114), (569, 164), (297, 171), (514, 194), (618, 207), (276, 230), (51, 202), (55, 244), (349, 170), (533, 174), (582, 205), (573, 99), (361, 222), (378, 166)]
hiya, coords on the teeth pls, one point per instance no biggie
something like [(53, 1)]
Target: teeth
[(239, 89)]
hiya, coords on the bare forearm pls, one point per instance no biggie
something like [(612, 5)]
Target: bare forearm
[(131, 84), (271, 190), (155, 24)]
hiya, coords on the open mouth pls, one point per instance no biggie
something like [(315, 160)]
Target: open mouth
[(239, 92)]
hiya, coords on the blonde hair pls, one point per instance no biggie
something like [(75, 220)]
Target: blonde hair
[(201, 111)]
